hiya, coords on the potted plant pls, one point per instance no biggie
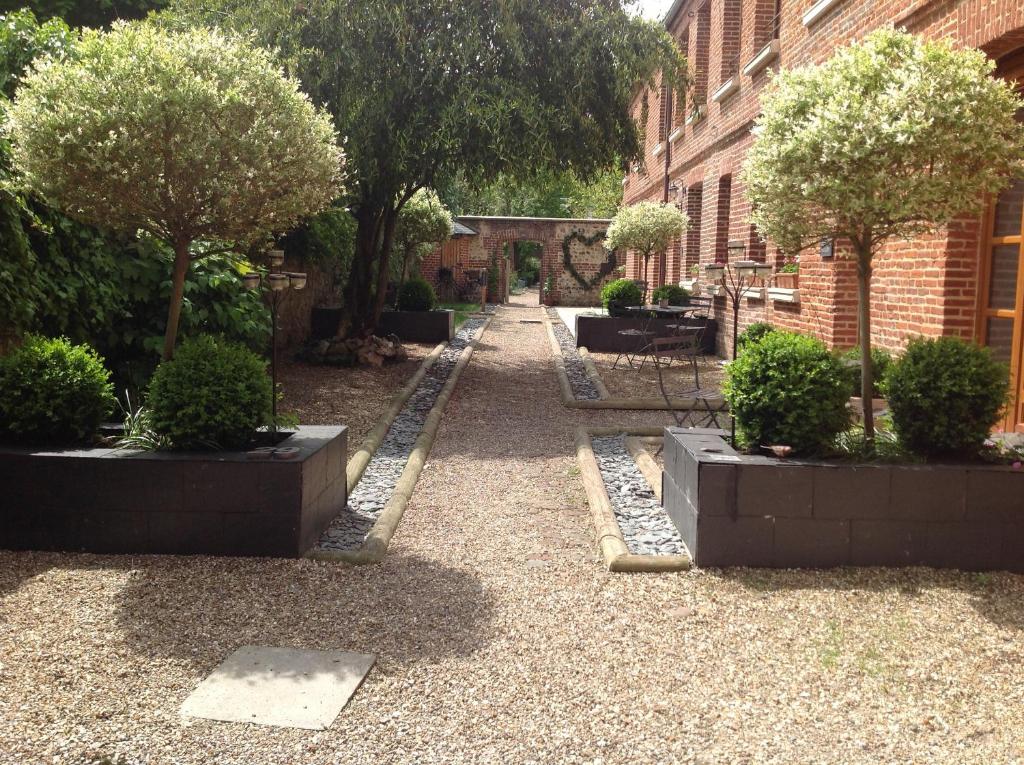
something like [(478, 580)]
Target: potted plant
[(788, 275)]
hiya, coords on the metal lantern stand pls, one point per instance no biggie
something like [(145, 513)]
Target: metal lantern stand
[(736, 279), (278, 283)]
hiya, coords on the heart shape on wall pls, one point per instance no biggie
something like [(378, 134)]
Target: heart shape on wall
[(606, 268)]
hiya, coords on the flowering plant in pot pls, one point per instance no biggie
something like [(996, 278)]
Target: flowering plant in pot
[(788, 275)]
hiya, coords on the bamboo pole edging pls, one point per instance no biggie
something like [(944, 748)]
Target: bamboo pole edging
[(569, 400), (357, 463), (375, 546), (611, 543)]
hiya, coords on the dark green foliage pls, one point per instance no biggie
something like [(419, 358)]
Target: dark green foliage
[(326, 239), (529, 269), (622, 292), (881, 361), (53, 392), (787, 389), (90, 13), (945, 396), (753, 333), (673, 293), (416, 295), (213, 393)]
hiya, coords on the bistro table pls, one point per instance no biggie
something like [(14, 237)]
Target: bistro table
[(645, 333)]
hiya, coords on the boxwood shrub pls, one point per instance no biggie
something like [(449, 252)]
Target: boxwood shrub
[(787, 389), (53, 391), (416, 295), (621, 291), (881, 361), (673, 293), (945, 396), (752, 334), (212, 394)]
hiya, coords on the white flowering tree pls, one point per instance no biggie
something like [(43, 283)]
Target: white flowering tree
[(423, 223), (645, 228), (891, 138), (195, 137)]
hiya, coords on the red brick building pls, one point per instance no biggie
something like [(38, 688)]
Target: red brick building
[(968, 281)]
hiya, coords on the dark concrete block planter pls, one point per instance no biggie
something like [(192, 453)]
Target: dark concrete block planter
[(210, 503), (735, 509), (601, 333), (418, 326)]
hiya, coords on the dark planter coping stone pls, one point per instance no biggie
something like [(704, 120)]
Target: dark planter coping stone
[(601, 333), (211, 503), (735, 509), (435, 326)]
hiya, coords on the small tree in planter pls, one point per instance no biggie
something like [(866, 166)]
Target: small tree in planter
[(645, 228), (192, 136), (423, 223), (893, 137)]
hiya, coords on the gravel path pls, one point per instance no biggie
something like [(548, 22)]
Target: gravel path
[(349, 529), (644, 523), (583, 388), (500, 638)]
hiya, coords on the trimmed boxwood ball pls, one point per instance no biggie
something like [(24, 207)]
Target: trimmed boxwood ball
[(416, 295), (213, 394), (787, 389), (753, 334), (53, 391), (945, 396), (881, 361), (673, 293), (621, 291)]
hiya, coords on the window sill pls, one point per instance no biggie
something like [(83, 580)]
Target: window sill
[(696, 115), (726, 89), (659, 150), (818, 10), (781, 295), (675, 135), (765, 56)]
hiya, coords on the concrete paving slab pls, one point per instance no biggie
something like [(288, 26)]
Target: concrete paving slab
[(286, 687)]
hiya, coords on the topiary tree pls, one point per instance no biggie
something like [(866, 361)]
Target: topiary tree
[(673, 293), (645, 228), (423, 223), (416, 295), (893, 137), (617, 293), (193, 136)]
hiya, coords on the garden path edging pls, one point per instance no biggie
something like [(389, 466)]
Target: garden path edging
[(375, 546), (612, 544)]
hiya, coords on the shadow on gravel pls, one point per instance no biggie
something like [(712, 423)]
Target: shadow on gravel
[(16, 568), (997, 596), (200, 609)]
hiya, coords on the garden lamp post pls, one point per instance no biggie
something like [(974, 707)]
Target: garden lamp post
[(279, 282), (735, 279)]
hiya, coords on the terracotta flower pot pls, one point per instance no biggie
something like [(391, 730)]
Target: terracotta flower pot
[(787, 281)]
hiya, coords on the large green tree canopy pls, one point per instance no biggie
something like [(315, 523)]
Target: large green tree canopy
[(424, 89), (894, 136), (87, 13), (192, 137)]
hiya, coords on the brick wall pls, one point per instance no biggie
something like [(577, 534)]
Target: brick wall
[(927, 286), (494, 238)]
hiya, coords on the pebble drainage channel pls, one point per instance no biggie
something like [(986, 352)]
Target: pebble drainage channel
[(349, 528), (582, 386), (644, 524)]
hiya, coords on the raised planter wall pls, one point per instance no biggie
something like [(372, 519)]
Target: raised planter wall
[(210, 503), (418, 326), (735, 509), (601, 333)]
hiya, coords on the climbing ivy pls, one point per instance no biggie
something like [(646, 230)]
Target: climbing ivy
[(606, 268)]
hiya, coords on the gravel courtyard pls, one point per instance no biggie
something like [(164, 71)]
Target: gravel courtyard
[(500, 638)]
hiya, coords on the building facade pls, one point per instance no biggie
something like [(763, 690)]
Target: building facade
[(967, 281)]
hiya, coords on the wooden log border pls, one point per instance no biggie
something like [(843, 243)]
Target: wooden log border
[(610, 541)]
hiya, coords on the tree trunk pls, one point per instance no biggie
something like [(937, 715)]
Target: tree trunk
[(383, 266), (358, 289), (181, 261), (864, 331)]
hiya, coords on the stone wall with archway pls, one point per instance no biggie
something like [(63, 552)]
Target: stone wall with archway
[(572, 254)]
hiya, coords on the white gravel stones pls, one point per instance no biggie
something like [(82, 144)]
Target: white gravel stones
[(366, 502), (645, 525), (582, 386)]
